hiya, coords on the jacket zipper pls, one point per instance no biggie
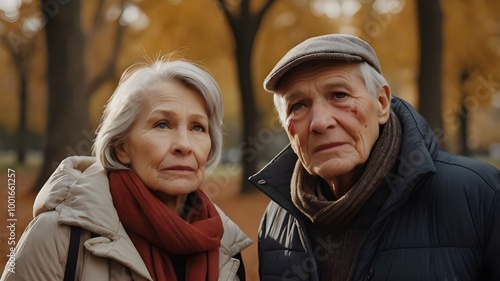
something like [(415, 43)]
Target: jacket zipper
[(370, 273)]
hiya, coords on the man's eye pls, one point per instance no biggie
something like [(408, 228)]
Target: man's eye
[(340, 95), (296, 106)]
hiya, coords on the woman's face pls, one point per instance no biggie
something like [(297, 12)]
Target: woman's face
[(169, 142)]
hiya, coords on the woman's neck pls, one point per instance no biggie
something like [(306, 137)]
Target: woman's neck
[(176, 203)]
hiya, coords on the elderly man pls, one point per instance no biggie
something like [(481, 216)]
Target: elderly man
[(363, 191)]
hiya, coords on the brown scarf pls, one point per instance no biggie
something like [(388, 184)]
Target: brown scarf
[(335, 214), (157, 231)]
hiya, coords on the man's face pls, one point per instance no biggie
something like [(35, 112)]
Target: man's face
[(332, 121)]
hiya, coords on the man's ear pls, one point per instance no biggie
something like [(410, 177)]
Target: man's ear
[(122, 154), (384, 104)]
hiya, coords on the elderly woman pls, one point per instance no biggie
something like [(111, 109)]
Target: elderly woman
[(363, 191), (138, 203)]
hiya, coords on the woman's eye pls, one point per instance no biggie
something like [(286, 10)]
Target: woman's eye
[(162, 125), (198, 128)]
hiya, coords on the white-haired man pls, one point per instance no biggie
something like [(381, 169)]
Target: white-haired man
[(363, 191)]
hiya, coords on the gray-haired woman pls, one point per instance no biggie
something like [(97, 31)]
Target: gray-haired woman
[(138, 203)]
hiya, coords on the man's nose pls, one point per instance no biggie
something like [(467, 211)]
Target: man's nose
[(322, 117)]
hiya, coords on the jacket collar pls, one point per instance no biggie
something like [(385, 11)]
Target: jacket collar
[(419, 148), (79, 191), (274, 179)]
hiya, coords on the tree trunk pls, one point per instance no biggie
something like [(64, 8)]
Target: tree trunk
[(429, 79), (251, 147), (464, 132), (244, 25), (463, 114), (20, 58), (20, 54), (21, 128), (68, 127)]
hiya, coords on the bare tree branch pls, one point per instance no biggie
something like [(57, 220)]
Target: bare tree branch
[(230, 18), (22, 55), (6, 43), (98, 16), (109, 69), (263, 11), (245, 10)]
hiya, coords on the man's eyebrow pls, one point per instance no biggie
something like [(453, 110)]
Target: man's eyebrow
[(327, 86), (335, 85), (292, 95)]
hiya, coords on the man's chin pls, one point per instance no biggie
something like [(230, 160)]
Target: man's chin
[(333, 168)]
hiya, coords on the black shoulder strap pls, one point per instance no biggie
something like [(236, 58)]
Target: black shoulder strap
[(241, 270), (74, 245)]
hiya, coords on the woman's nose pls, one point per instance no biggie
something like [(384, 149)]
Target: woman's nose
[(181, 142)]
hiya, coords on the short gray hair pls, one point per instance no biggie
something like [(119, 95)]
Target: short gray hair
[(125, 103), (372, 78)]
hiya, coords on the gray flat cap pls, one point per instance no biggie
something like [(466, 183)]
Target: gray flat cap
[(332, 46)]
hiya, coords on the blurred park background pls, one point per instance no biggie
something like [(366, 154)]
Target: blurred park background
[(62, 59)]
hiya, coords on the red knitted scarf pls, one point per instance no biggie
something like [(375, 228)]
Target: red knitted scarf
[(157, 231)]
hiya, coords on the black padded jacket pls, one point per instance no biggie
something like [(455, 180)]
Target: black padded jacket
[(441, 220)]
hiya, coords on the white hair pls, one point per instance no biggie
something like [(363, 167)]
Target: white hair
[(373, 82), (123, 106)]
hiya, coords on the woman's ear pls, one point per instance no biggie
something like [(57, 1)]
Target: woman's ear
[(121, 153), (384, 104)]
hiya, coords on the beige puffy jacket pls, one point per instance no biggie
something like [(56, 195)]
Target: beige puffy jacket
[(78, 194)]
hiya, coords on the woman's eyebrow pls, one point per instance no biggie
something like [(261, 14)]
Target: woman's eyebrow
[(161, 112), (168, 113)]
